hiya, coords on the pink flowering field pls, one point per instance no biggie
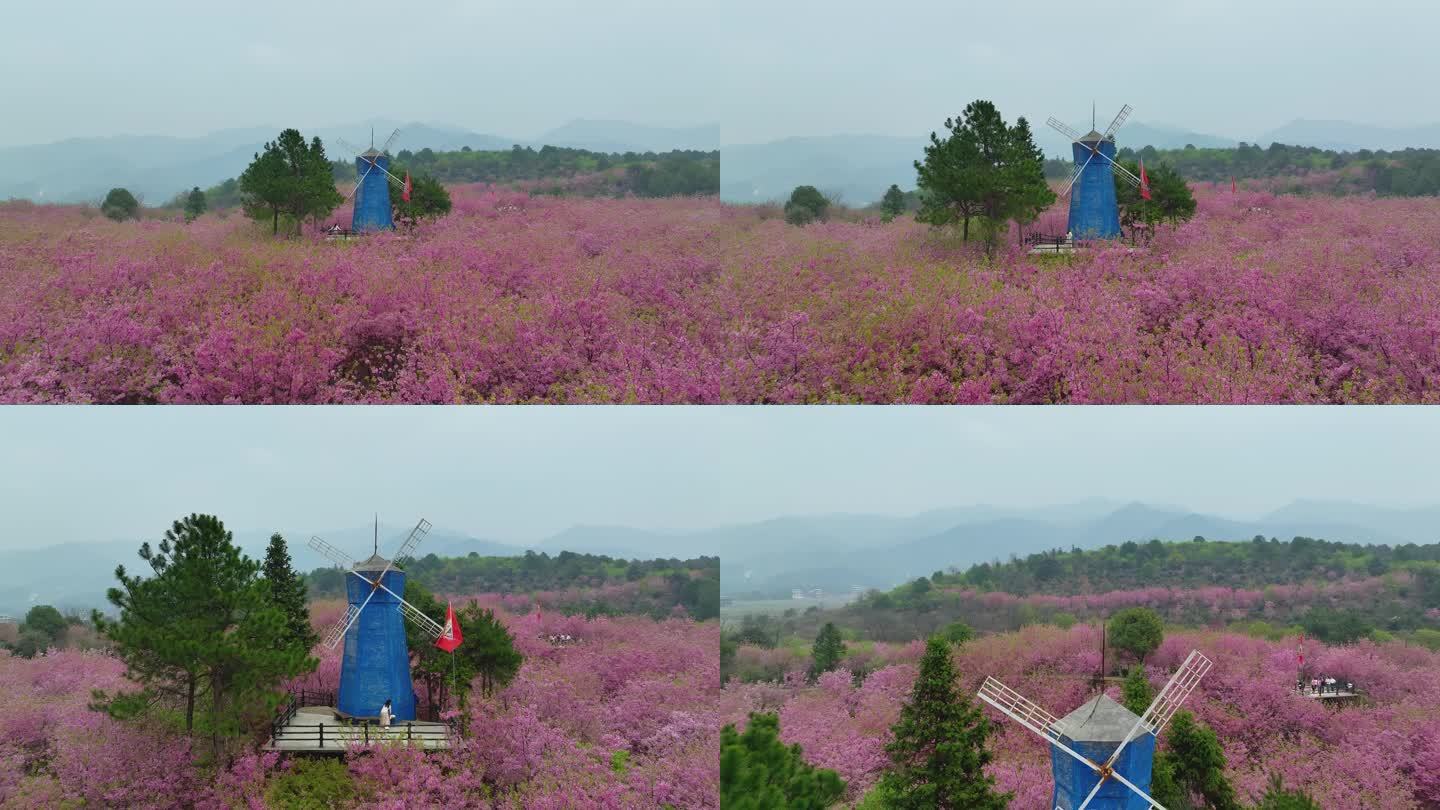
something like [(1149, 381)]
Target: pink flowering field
[(514, 298), (547, 741), (1382, 753)]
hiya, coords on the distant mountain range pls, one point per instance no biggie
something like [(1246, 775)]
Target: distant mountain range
[(1346, 136), (156, 167), (861, 167), (870, 551), (76, 575)]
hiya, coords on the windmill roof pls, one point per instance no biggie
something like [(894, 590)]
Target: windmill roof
[(1100, 719), (1092, 135), (375, 563), (371, 152)]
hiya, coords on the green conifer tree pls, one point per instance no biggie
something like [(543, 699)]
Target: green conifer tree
[(893, 203), (829, 648), (201, 633), (194, 204), (287, 592), (983, 169), (1278, 797), (289, 177), (120, 204), (758, 772), (1191, 768), (939, 751), (806, 205), (1136, 693)]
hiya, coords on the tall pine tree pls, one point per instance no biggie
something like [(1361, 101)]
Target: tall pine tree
[(827, 651), (758, 772), (486, 654), (194, 204), (201, 633), (984, 169), (289, 177), (939, 751), (1190, 772), (287, 591), (1136, 693), (893, 203)]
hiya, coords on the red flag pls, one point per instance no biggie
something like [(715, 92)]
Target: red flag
[(406, 195), (1232, 184), (1301, 652), (451, 636), (1144, 181)]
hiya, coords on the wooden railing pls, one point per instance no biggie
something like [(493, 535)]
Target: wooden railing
[(340, 735)]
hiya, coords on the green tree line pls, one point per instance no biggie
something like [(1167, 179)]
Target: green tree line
[(1194, 563), (647, 174), (1403, 173), (694, 583)]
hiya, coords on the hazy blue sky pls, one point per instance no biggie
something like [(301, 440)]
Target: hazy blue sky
[(506, 67), (1227, 67), (517, 474)]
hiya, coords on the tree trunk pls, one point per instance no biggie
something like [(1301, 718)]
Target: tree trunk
[(966, 232), (190, 704), (275, 226)]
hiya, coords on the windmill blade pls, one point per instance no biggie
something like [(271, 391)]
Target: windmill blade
[(343, 626), (1063, 128), (407, 549), (348, 147), (1021, 709), (1175, 693), (414, 614), (1078, 172), (358, 182), (1119, 120), (336, 556), (1181, 684), (1099, 783), (1125, 174), (390, 141), (1142, 794), (337, 630), (1127, 783), (1028, 713)]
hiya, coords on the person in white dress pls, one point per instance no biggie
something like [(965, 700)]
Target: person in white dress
[(385, 715)]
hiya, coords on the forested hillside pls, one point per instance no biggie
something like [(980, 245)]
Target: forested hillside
[(566, 581), (1197, 563), (643, 174), (1296, 169)]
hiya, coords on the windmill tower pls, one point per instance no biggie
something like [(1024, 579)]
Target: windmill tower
[(1101, 754), (376, 663), (372, 191), (1094, 213)]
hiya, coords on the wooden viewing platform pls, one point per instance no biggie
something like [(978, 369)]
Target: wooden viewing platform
[(317, 728), (1328, 695), (321, 728), (1050, 244)]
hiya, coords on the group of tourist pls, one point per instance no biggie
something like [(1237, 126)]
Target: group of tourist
[(1321, 685)]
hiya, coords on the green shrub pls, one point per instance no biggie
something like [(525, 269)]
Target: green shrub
[(312, 784)]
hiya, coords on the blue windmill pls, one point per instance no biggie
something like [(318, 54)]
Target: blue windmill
[(372, 211), (376, 664), (1094, 213), (1101, 754)]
